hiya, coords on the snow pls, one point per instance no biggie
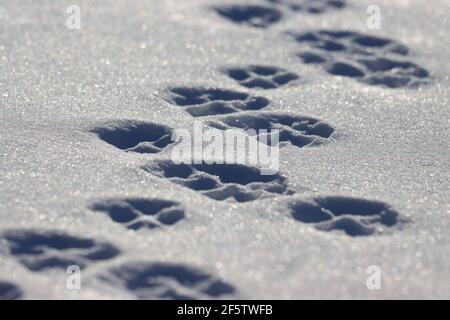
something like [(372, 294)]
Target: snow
[(389, 145)]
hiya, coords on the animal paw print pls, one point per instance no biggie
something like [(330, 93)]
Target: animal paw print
[(250, 15), (261, 77), (295, 130), (234, 182), (136, 136), (41, 250), (349, 42), (9, 291), (369, 59), (147, 280), (139, 213), (311, 6), (200, 102), (354, 217)]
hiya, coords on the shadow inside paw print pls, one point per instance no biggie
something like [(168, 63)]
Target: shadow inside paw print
[(261, 77), (354, 217), (135, 136), (168, 281), (296, 130), (235, 182), (41, 250), (200, 102), (369, 59), (250, 15), (311, 6), (137, 213), (9, 291)]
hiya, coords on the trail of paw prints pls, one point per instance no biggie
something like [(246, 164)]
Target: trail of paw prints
[(149, 280), (311, 6), (369, 59), (42, 250), (261, 77), (199, 102), (135, 136), (352, 216), (292, 130), (250, 15), (139, 213), (232, 182), (9, 291)]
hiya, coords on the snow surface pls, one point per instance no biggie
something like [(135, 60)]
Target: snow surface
[(59, 180)]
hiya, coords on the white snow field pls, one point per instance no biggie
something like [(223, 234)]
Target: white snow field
[(85, 172)]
